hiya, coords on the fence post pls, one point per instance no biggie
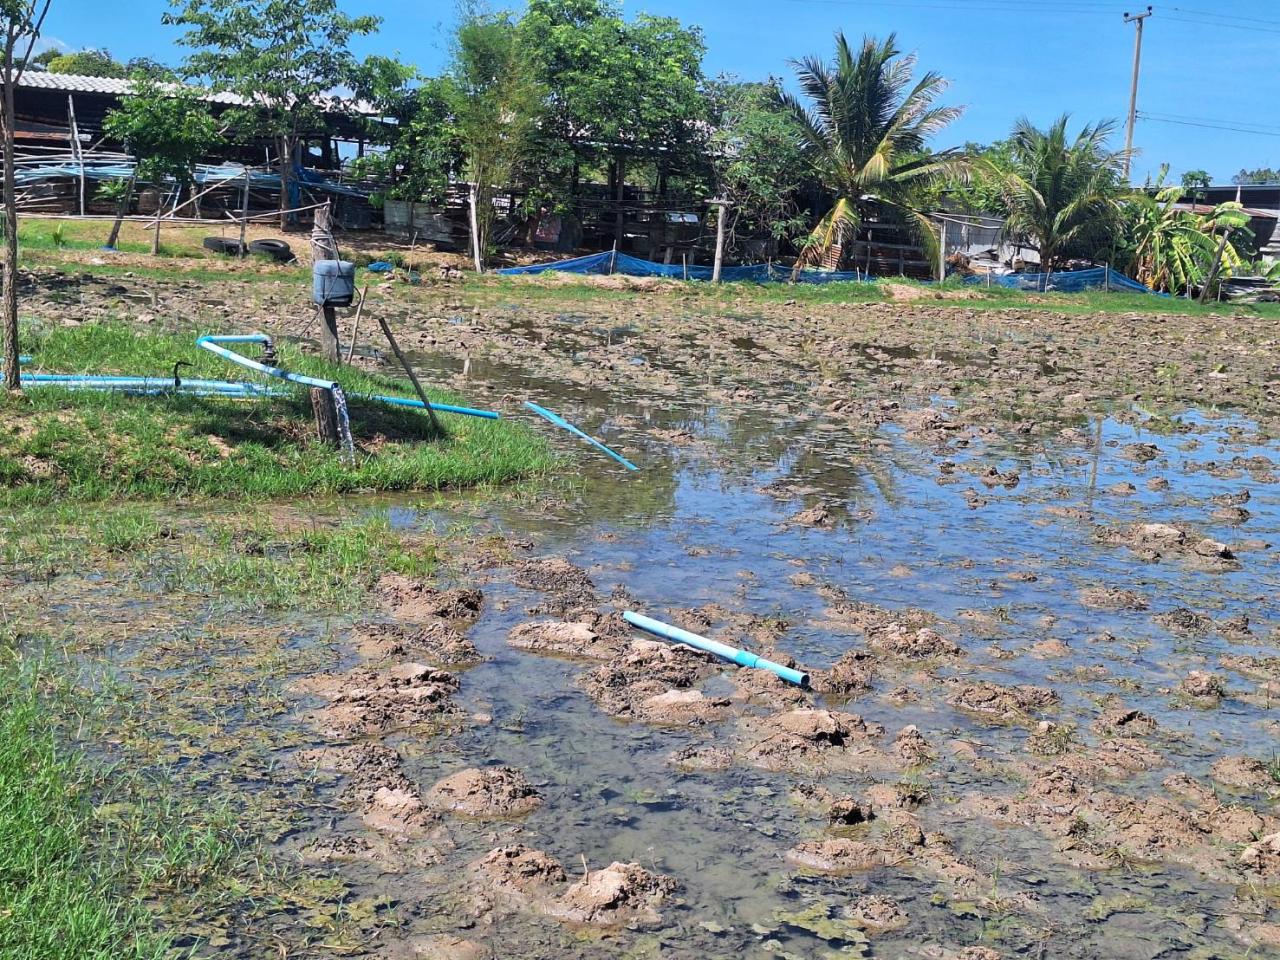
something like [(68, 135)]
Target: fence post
[(1106, 277), (942, 253)]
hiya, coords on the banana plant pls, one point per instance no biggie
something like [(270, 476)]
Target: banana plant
[(1174, 248)]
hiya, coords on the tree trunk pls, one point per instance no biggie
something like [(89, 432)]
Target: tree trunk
[(329, 335), (9, 307), (122, 208)]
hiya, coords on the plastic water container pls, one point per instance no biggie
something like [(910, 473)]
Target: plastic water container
[(333, 283)]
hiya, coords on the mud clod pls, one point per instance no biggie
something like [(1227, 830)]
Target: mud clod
[(519, 870), (488, 792), (434, 641), (621, 893), (566, 639), (377, 701), (1017, 702), (626, 685), (417, 601)]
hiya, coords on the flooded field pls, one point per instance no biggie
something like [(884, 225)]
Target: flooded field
[(1030, 573)]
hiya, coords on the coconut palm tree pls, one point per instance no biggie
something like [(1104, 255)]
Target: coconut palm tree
[(1064, 196), (864, 124)]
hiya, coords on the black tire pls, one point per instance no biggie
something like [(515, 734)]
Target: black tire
[(277, 250), (231, 248)]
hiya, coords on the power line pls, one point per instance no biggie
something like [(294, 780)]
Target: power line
[(1229, 26), (1209, 126), (1222, 16)]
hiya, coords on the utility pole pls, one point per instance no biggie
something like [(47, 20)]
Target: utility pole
[(1136, 18)]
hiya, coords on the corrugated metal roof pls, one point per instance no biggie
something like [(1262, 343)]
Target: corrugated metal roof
[(114, 86)]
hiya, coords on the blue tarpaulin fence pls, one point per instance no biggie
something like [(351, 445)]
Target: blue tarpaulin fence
[(1072, 281)]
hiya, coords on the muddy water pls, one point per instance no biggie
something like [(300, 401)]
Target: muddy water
[(1005, 569)]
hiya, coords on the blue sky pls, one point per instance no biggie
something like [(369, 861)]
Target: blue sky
[(1209, 65)]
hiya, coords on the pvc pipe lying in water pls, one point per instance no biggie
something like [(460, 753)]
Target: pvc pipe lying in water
[(742, 658), (564, 424)]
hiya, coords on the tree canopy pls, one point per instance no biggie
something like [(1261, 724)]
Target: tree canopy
[(87, 63)]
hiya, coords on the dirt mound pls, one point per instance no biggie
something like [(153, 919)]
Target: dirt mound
[(807, 736), (1202, 685), (1112, 598), (367, 701), (694, 758), (617, 894), (817, 516), (568, 587), (567, 639), (875, 913), (1018, 702), (839, 855), (852, 674), (1263, 857), (414, 600), (766, 687), (395, 810), (910, 746), (680, 707), (434, 641), (1184, 621), (518, 870), (895, 633), (490, 792), (1243, 773), (366, 766), (1154, 541), (646, 669), (1124, 722)]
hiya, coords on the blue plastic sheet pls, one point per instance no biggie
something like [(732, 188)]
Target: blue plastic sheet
[(1074, 281)]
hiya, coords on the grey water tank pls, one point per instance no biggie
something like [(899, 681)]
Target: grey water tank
[(333, 283)]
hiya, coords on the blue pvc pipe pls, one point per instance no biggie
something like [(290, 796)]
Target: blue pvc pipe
[(211, 343), (742, 658), (438, 407), (564, 424)]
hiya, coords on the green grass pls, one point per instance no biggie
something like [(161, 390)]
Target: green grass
[(99, 446), (498, 288), (60, 896), (264, 567)]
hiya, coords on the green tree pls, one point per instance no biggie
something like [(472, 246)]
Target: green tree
[(152, 69), (1258, 175), (284, 58), (88, 63), (21, 22), (167, 129), (982, 189), (615, 89), (421, 143), (45, 57), (496, 105), (865, 123), (1063, 194), (756, 160)]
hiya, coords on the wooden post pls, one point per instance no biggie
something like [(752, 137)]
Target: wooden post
[(613, 258), (942, 253), (76, 151), (1217, 262), (244, 214), (355, 326), (721, 207), (326, 416), (475, 230), (329, 334), (422, 394)]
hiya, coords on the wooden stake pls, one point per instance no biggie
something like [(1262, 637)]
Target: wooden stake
[(355, 326), (244, 214), (475, 231), (395, 348)]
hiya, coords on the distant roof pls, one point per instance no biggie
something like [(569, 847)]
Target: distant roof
[(116, 86), (123, 87)]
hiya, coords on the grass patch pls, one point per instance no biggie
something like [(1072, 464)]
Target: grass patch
[(99, 446), (264, 566), (60, 897)]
